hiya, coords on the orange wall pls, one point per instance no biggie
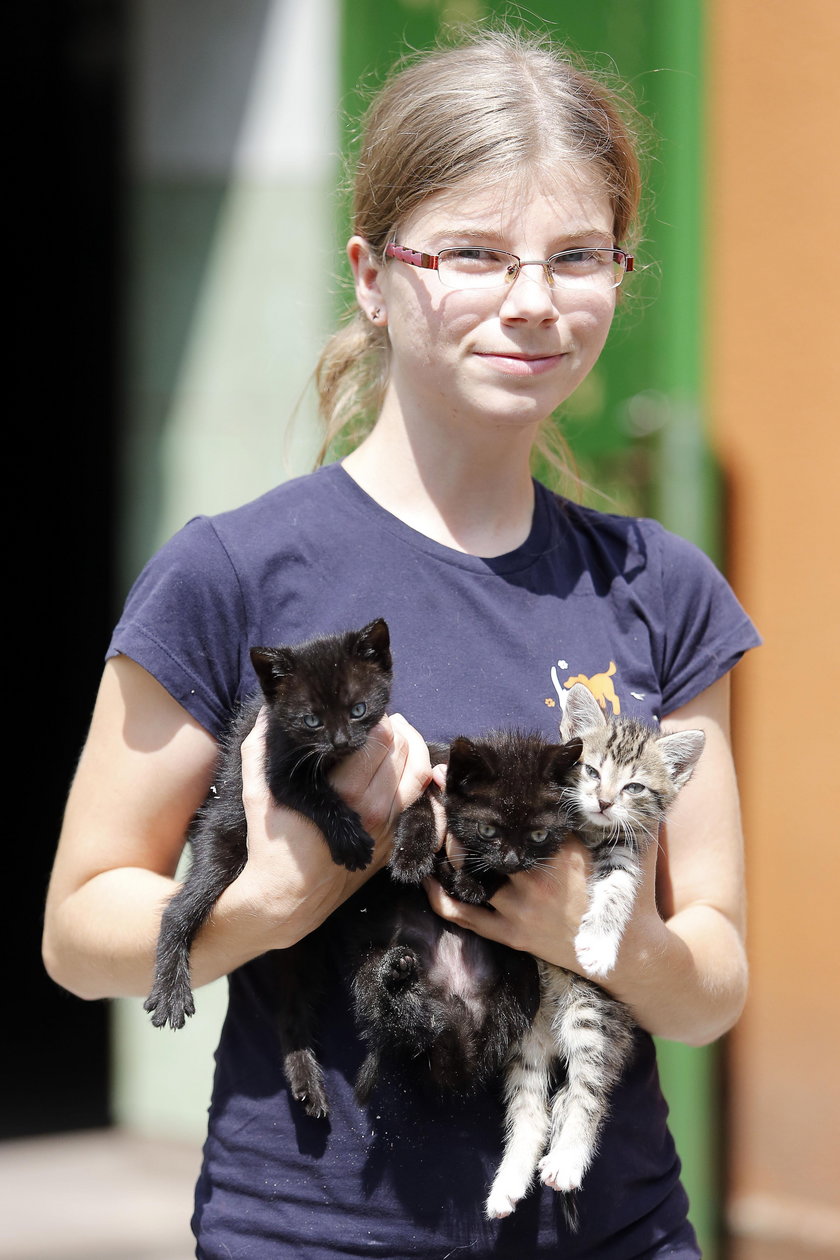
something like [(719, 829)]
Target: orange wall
[(774, 401)]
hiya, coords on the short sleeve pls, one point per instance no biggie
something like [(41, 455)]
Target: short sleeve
[(184, 620), (704, 631)]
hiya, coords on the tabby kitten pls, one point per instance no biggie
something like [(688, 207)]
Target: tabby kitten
[(322, 699), (627, 777), (426, 991)]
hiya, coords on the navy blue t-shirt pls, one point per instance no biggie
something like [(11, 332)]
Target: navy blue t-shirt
[(648, 621)]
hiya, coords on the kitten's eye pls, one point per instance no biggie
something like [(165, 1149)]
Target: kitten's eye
[(486, 830), (539, 835), (312, 721), (358, 710), (634, 788), (592, 773)]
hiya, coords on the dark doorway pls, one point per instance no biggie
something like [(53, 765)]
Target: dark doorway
[(64, 253)]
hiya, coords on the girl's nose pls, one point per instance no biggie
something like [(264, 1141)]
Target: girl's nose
[(530, 296)]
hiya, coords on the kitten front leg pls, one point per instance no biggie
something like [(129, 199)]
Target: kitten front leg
[(415, 842), (526, 1118), (459, 883), (612, 893), (348, 842)]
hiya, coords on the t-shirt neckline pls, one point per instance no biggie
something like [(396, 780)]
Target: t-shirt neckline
[(522, 557)]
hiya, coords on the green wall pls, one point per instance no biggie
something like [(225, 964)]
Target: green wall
[(230, 178)]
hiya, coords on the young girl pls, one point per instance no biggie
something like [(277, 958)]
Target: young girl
[(495, 199)]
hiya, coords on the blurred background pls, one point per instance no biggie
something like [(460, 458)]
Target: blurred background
[(177, 232)]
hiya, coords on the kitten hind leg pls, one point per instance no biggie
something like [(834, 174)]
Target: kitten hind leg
[(170, 999), (595, 1034), (297, 975), (526, 1118)]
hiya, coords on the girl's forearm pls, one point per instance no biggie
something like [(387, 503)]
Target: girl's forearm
[(685, 980), (100, 942)]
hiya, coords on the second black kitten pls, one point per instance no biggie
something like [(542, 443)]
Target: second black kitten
[(452, 1003)]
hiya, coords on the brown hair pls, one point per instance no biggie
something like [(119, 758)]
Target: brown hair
[(491, 104)]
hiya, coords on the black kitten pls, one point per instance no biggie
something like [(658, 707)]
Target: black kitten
[(322, 698), (426, 990)]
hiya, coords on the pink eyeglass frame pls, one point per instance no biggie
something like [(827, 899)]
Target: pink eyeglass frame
[(416, 258)]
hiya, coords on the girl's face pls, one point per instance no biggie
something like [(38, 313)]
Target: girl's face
[(497, 358)]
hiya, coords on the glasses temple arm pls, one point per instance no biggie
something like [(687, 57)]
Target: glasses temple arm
[(413, 256)]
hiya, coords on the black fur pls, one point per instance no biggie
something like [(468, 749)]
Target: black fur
[(452, 1002), (322, 698)]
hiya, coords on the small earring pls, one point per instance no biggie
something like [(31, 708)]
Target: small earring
[(376, 313)]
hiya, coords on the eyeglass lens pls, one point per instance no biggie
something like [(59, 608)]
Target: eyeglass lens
[(468, 268)]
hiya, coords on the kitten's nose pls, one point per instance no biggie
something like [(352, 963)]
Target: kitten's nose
[(604, 805)]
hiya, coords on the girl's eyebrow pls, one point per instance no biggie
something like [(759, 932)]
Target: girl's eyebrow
[(487, 236)]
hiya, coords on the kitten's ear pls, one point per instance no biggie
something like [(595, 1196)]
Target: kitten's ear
[(465, 762), (582, 712), (373, 642), (559, 758), (272, 664), (681, 751)]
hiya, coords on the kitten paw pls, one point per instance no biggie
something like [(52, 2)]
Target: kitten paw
[(408, 868), (306, 1082), (498, 1206), (398, 968), (172, 1007), (563, 1169), (351, 847), (504, 1195), (595, 952)]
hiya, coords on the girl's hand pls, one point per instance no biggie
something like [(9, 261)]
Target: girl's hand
[(539, 911), (290, 880)]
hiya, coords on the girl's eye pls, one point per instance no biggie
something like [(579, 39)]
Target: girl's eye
[(592, 773), (582, 261), (634, 788), (475, 261), (475, 254), (358, 710), (312, 721), (539, 835), (486, 830)]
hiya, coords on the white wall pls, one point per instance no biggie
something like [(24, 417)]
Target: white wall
[(230, 257)]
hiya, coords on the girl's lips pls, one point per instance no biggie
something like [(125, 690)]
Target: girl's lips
[(521, 365)]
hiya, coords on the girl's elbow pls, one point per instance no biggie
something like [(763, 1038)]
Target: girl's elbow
[(58, 965)]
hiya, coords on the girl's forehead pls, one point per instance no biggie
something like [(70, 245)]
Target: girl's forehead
[(575, 198)]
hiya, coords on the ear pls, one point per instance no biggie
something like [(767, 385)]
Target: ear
[(374, 643), (681, 751), (272, 664), (582, 712), (367, 270), (559, 758), (465, 762)]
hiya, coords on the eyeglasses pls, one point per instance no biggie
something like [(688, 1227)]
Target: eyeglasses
[(469, 267)]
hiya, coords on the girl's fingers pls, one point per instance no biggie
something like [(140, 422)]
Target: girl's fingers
[(254, 786), (384, 777)]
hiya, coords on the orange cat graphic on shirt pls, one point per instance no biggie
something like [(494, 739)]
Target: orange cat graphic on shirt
[(601, 686)]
